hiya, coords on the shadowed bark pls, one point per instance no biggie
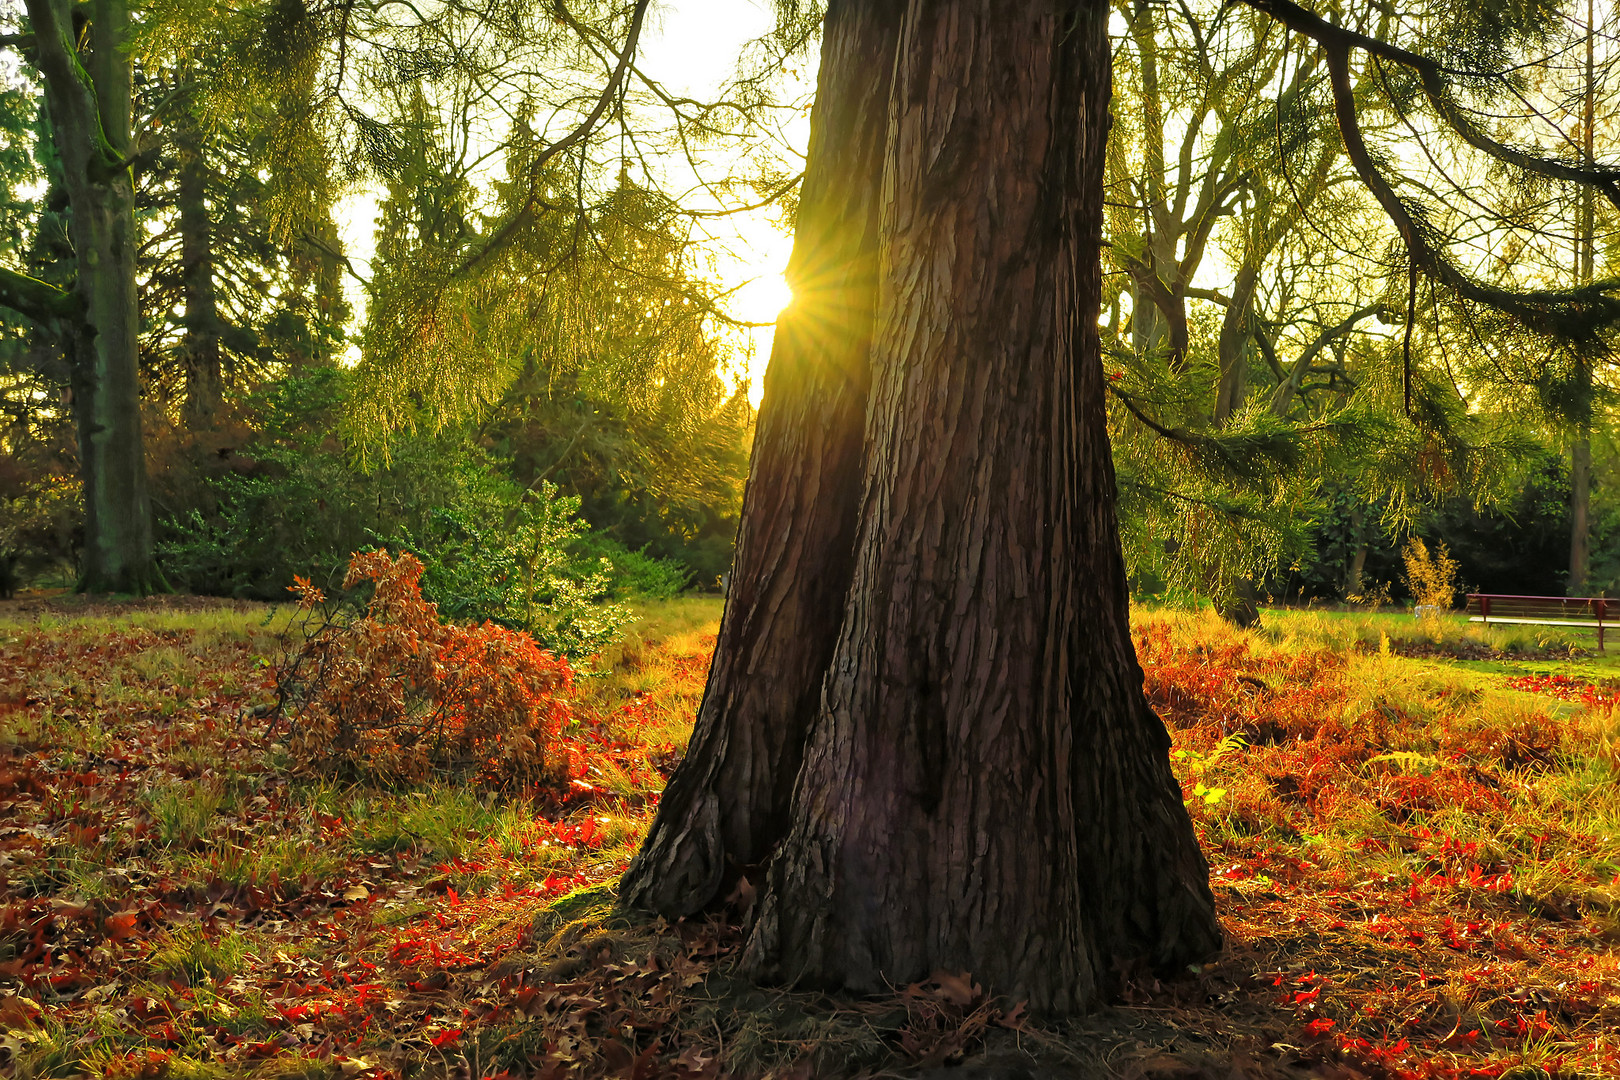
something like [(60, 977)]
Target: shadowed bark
[(986, 788), (726, 806), (200, 349), (933, 653)]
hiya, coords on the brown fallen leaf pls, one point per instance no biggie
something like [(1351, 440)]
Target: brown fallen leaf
[(18, 1012)]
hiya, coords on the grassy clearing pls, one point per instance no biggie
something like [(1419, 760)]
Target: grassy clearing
[(1417, 862), (1451, 635)]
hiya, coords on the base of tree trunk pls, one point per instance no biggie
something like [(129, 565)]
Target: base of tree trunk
[(1242, 607)]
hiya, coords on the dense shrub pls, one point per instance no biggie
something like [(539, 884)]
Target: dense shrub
[(279, 494), (633, 573), (507, 558), (396, 694), (295, 504), (39, 527), (299, 510)]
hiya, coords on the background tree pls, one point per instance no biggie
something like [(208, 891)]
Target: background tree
[(82, 59)]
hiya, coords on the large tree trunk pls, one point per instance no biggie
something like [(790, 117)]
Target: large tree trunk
[(726, 807), (984, 786), (200, 351), (88, 97)]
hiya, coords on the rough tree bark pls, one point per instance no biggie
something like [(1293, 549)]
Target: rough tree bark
[(727, 806), (87, 93), (983, 786)]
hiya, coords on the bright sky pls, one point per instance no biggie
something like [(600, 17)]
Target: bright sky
[(692, 47)]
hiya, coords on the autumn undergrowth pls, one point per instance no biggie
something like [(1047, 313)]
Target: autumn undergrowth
[(181, 894), (1416, 860), (1419, 862)]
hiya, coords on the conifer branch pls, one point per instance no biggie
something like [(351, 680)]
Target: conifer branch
[(1432, 76), (1574, 316), (580, 133), (39, 300)]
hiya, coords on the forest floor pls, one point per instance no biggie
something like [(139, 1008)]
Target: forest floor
[(1416, 858)]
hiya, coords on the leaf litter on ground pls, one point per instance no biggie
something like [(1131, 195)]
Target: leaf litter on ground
[(1418, 870)]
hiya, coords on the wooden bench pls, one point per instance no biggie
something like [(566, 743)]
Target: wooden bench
[(1577, 612)]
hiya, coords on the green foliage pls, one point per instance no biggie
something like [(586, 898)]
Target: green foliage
[(504, 555), (1199, 765), (666, 480), (578, 341), (296, 505), (19, 135), (634, 573)]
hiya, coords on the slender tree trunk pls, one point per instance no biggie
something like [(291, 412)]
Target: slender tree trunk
[(985, 787), (1353, 583), (726, 807), (1234, 344), (1580, 462), (1239, 602), (87, 93), (200, 349), (1580, 503)]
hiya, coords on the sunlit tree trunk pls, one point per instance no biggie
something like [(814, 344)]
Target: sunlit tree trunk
[(1233, 344), (1580, 458), (983, 785)]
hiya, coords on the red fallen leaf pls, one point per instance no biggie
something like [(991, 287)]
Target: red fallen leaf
[(120, 925), (1319, 1027), (85, 835), (646, 1063), (956, 989), (447, 1037), (69, 981)]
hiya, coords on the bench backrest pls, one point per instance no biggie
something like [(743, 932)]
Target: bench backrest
[(1544, 607)]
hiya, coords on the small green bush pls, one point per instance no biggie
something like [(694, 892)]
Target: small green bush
[(503, 556), (634, 573)]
